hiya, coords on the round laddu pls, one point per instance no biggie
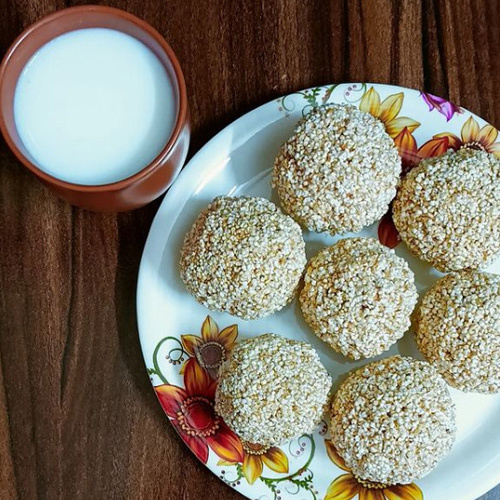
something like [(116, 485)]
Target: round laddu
[(448, 210), (272, 389), (458, 330), (393, 420), (358, 297), (243, 256), (339, 170)]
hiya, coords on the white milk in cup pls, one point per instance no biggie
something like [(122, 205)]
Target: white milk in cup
[(94, 106)]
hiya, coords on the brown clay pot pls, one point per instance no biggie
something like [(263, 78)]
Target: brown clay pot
[(142, 187)]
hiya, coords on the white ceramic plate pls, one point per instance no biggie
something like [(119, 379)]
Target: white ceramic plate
[(238, 161)]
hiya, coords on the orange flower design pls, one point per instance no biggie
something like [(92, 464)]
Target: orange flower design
[(210, 349), (192, 413), (411, 155), (474, 137), (256, 456), (387, 111), (347, 486)]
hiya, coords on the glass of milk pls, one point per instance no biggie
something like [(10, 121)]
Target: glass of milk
[(93, 102)]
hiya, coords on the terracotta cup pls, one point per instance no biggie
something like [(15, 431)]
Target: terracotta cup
[(131, 192)]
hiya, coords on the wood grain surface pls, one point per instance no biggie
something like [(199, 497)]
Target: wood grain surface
[(78, 418)]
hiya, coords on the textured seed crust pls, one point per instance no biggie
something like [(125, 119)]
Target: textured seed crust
[(458, 330), (358, 296), (393, 420), (339, 170), (272, 389), (448, 210), (243, 256)]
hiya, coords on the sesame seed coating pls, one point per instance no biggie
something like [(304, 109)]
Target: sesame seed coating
[(393, 420), (358, 296), (272, 389), (448, 210), (243, 256), (458, 330), (339, 170)]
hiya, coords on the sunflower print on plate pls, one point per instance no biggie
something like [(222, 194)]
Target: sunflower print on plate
[(191, 409), (192, 413), (473, 137), (387, 111), (348, 486), (210, 349), (256, 456)]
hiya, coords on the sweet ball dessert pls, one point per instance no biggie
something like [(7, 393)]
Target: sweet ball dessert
[(393, 420), (339, 170), (358, 296), (272, 389), (243, 256), (448, 210), (458, 330)]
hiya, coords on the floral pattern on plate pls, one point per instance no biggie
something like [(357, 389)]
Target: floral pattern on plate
[(348, 486), (191, 411)]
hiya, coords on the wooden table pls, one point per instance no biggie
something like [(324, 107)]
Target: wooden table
[(78, 418)]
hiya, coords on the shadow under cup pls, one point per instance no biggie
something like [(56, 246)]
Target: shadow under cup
[(151, 181)]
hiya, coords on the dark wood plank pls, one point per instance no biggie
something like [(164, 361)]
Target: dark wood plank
[(78, 418)]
